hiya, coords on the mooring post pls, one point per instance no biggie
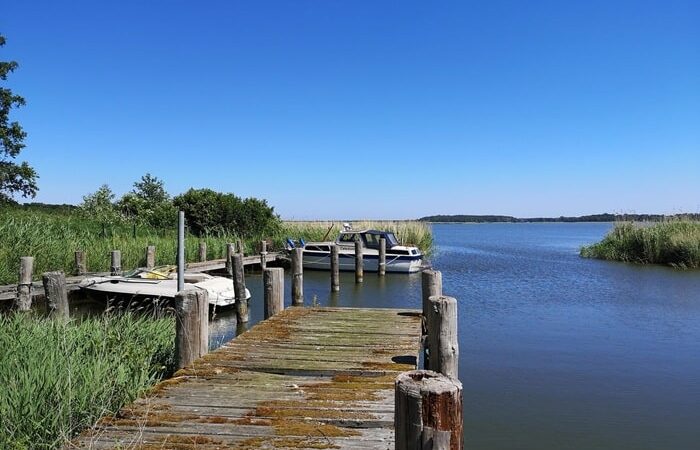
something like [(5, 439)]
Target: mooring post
[(273, 279), (56, 293), (381, 269), (202, 251), (335, 268), (239, 288), (191, 326), (428, 411), (443, 348), (23, 302), (431, 285), (150, 257), (229, 254), (359, 262), (263, 255), (115, 266), (239, 246), (80, 263), (298, 276)]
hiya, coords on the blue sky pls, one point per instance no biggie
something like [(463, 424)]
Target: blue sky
[(377, 109)]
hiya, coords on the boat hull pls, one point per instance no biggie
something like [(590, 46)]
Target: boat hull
[(370, 262)]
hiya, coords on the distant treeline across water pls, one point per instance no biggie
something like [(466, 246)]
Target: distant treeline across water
[(589, 218)]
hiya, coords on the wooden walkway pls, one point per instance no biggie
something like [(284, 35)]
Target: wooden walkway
[(308, 378)]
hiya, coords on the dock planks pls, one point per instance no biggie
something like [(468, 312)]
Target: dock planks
[(308, 378)]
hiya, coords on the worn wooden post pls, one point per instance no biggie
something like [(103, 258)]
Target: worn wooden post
[(239, 288), (273, 279), (298, 276), (431, 284), (263, 255), (202, 251), (428, 412), (191, 326), (56, 293), (23, 302), (80, 263), (441, 323), (381, 269), (150, 256), (115, 267), (229, 254), (335, 268), (359, 262), (239, 246)]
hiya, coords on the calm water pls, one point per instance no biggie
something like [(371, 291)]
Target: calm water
[(556, 351)]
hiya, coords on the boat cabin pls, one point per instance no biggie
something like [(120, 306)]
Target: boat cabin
[(369, 238)]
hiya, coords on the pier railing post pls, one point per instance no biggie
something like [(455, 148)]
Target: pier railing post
[(202, 251), (298, 277), (191, 326), (56, 293), (335, 268), (23, 301), (80, 263), (150, 256), (115, 267), (359, 262), (242, 315), (263, 255), (381, 268), (443, 348), (229, 255), (273, 280), (428, 412), (431, 285)]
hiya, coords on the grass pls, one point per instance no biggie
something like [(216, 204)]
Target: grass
[(58, 377), (672, 242)]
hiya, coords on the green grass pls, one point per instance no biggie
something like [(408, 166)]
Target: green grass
[(672, 242), (58, 377)]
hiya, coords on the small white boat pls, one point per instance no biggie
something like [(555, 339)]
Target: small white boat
[(399, 258), (161, 282)]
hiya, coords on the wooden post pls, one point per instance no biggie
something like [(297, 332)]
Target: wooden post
[(56, 293), (150, 256), (116, 264), (359, 262), (428, 412), (239, 288), (191, 326), (239, 246), (381, 269), (431, 284), (298, 276), (273, 279), (229, 254), (23, 302), (202, 251), (335, 268), (80, 263), (443, 348), (263, 255)]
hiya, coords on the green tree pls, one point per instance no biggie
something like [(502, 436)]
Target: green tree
[(149, 203), (15, 178), (99, 205)]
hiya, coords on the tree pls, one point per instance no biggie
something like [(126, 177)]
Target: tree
[(149, 203), (99, 205), (151, 189), (15, 178)]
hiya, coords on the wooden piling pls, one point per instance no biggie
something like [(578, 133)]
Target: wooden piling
[(150, 256), (192, 326), (116, 263), (263, 255), (428, 412), (381, 269), (359, 262), (242, 315), (56, 293), (80, 263), (229, 254), (273, 280), (443, 347), (23, 302), (335, 268), (431, 285), (202, 251), (239, 246), (298, 277)]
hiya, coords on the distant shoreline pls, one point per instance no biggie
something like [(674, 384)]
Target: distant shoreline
[(563, 219)]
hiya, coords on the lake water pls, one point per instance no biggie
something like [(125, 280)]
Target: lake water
[(556, 351)]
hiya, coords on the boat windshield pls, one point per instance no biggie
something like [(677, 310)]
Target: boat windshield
[(391, 240)]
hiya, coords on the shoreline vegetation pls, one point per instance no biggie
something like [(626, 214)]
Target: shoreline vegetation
[(606, 217), (674, 243)]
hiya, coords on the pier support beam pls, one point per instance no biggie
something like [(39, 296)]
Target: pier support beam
[(150, 257), (80, 263), (298, 277), (23, 302), (115, 266), (381, 269), (335, 268), (56, 294), (273, 280), (431, 285), (428, 412), (191, 326), (359, 263), (229, 254), (443, 348), (242, 315)]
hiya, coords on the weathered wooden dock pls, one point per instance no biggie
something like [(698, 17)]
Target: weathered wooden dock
[(313, 378)]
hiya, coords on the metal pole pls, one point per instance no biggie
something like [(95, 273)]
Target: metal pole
[(180, 251)]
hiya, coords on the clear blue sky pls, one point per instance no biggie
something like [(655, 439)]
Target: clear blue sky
[(382, 109)]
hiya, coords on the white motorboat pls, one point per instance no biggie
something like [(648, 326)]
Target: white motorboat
[(399, 258), (161, 282)]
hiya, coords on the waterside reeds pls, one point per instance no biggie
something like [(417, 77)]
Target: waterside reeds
[(671, 242)]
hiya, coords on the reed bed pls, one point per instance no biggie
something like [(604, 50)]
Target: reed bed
[(58, 377), (672, 242)]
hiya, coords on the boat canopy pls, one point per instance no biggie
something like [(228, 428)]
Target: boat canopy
[(369, 237)]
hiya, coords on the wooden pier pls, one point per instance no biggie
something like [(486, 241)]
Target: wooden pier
[(314, 378)]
